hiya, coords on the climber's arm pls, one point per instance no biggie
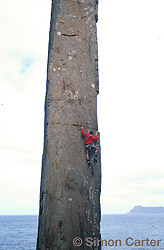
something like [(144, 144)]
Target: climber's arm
[(95, 138), (83, 133)]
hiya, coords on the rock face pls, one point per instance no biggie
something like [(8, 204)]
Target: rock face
[(69, 194)]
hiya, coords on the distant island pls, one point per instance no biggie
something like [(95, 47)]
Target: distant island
[(147, 210)]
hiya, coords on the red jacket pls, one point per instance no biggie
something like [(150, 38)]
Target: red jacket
[(90, 138)]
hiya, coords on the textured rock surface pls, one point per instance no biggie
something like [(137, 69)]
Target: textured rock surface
[(69, 195)]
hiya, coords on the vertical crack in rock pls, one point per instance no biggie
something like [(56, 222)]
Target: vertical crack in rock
[(69, 194)]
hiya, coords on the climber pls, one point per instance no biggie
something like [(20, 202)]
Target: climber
[(89, 138)]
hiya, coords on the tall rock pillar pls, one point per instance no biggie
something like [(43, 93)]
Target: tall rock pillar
[(69, 194)]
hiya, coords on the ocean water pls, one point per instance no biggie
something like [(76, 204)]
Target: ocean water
[(20, 232), (137, 227)]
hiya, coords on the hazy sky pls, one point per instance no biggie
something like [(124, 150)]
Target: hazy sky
[(130, 103)]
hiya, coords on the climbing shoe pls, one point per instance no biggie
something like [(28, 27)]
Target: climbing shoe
[(95, 158), (88, 161)]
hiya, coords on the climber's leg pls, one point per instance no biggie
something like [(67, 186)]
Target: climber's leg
[(96, 150), (87, 155)]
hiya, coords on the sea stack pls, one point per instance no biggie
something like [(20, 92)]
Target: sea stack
[(69, 193)]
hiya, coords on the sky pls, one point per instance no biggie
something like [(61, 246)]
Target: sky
[(130, 102)]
